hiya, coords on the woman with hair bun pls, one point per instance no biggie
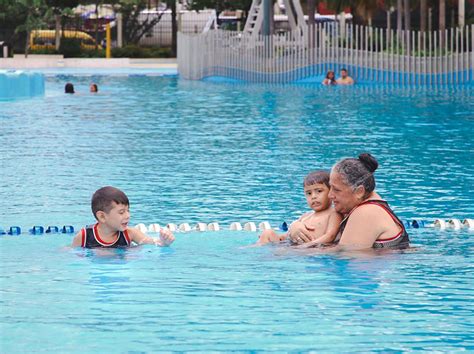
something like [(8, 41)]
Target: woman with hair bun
[(368, 220)]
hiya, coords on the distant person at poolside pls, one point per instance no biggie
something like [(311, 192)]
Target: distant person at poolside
[(69, 88), (368, 220), (93, 88), (110, 207), (345, 79), (322, 222), (330, 78)]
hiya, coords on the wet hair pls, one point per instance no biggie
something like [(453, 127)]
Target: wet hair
[(314, 177), (333, 76), (69, 88), (96, 89), (358, 172), (104, 197)]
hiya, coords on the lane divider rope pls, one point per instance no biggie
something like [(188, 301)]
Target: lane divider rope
[(441, 224)]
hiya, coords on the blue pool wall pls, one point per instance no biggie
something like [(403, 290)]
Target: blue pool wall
[(20, 84), (316, 74)]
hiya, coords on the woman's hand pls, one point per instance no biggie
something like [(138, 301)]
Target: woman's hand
[(299, 233)]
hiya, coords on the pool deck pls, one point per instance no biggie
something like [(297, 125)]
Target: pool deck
[(57, 61)]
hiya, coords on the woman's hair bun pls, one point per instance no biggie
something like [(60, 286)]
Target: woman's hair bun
[(369, 161)]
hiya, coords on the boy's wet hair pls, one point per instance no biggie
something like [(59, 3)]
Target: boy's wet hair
[(104, 197), (314, 177)]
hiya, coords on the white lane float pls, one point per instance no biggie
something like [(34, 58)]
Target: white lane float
[(455, 224), (265, 225), (200, 226), (154, 228), (440, 224), (142, 227), (184, 227), (235, 226), (172, 227), (250, 226), (213, 226), (468, 223)]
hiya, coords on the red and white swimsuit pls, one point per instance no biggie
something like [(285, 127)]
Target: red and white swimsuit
[(400, 240), (91, 238)]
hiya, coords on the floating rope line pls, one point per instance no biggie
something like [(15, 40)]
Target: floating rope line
[(441, 224)]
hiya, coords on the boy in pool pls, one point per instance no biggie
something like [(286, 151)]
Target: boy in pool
[(322, 222), (110, 207)]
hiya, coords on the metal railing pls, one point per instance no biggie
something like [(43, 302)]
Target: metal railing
[(369, 54)]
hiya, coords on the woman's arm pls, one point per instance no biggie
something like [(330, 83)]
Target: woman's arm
[(332, 228), (299, 233)]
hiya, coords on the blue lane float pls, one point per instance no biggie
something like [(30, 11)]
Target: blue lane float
[(52, 230), (16, 84), (37, 230), (14, 230), (67, 229)]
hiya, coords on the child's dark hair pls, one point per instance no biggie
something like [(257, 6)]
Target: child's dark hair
[(69, 88), (103, 198), (316, 177)]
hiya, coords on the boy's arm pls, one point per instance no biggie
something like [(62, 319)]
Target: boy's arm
[(166, 238), (77, 241)]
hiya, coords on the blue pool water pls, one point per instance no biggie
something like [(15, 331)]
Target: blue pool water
[(200, 151)]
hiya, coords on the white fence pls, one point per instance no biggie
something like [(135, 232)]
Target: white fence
[(369, 54)]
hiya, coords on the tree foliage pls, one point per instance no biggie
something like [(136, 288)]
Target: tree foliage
[(27, 14), (221, 5), (136, 24)]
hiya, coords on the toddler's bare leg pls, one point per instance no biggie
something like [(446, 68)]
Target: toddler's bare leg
[(270, 236)]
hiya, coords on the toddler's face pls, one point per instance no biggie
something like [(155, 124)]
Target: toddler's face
[(317, 196)]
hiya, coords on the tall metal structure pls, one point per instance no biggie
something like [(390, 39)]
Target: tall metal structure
[(259, 18)]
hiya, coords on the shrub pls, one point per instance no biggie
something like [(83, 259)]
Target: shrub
[(44, 51), (92, 53), (133, 51), (70, 47)]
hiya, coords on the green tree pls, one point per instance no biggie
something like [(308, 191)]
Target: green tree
[(135, 26), (220, 5), (60, 9), (28, 15)]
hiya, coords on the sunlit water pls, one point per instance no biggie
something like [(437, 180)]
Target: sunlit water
[(199, 151)]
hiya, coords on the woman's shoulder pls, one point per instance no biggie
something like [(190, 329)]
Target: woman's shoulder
[(371, 207)]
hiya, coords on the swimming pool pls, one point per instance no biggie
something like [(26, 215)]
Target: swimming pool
[(199, 151)]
